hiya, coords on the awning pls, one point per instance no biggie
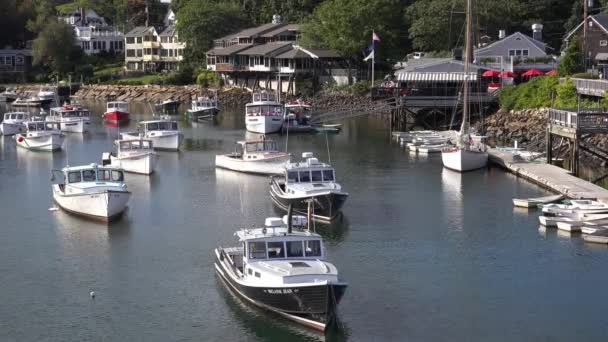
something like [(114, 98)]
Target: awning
[(602, 56), (435, 76)]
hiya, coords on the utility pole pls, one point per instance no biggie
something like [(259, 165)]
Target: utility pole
[(585, 10)]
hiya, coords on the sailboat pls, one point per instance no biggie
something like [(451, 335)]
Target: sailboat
[(468, 154)]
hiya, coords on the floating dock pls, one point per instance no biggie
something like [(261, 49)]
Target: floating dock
[(549, 176)]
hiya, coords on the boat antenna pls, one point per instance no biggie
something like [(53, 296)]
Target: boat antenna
[(327, 143), (287, 129), (289, 218)]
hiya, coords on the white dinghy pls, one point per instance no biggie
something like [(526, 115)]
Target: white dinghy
[(135, 156), (94, 191), (41, 136), (260, 156)]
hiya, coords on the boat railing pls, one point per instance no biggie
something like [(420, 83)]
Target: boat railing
[(583, 120)]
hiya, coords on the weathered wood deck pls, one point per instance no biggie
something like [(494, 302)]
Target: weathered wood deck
[(549, 176)]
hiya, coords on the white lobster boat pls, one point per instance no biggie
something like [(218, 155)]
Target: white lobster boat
[(14, 123), (41, 136), (264, 114), (164, 133), (94, 191), (73, 118), (260, 156), (135, 156)]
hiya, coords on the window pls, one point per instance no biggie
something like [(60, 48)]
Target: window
[(125, 145), (139, 53), (257, 274), (103, 175), (257, 250), (304, 176), (511, 52), (139, 40), (276, 250), (88, 175), (130, 53), (117, 176), (146, 145), (603, 42), (153, 126), (294, 249), (524, 52), (130, 40), (74, 177), (316, 176), (249, 271), (328, 175), (292, 176), (313, 248)]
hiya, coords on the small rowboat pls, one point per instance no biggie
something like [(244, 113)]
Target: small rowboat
[(535, 202)]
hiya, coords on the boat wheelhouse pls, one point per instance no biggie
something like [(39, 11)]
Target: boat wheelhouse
[(261, 156), (169, 106), (14, 122), (46, 95), (41, 136), (93, 191), (73, 118), (135, 156), (164, 133), (309, 182), (297, 117), (264, 114), (117, 111), (202, 108), (283, 270)]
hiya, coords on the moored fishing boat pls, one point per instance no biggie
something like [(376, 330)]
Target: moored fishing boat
[(164, 133), (8, 95), (135, 156), (308, 180), (260, 156), (41, 136), (263, 114), (14, 122), (202, 108), (283, 270), (297, 117), (535, 202), (117, 111), (93, 191), (46, 95), (73, 118)]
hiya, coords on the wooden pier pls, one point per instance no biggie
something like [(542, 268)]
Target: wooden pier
[(548, 176)]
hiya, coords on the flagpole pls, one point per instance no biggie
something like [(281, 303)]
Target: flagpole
[(373, 57)]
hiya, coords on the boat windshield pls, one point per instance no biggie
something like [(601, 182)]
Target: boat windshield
[(285, 249), (258, 97), (95, 175), (265, 110), (135, 145), (162, 126), (261, 146), (306, 176), (39, 126)]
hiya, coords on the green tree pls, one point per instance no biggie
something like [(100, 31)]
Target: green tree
[(199, 22), (571, 61), (13, 18), (55, 48), (346, 26), (567, 96)]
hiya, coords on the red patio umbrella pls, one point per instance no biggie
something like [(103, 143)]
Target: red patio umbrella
[(532, 73), (506, 74), (552, 72), (490, 73)]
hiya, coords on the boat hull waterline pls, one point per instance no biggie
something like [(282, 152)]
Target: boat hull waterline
[(51, 142), (288, 301), (143, 164), (104, 205), (326, 205), (462, 160), (264, 124), (268, 166)]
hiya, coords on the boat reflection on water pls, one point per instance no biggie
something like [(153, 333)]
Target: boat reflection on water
[(235, 189), (272, 326), (36, 163), (451, 184), (114, 124)]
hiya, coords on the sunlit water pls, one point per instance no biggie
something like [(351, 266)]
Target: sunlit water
[(430, 255)]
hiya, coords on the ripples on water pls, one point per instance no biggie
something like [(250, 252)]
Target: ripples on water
[(429, 254)]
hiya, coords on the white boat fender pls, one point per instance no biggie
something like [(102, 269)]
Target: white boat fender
[(92, 294)]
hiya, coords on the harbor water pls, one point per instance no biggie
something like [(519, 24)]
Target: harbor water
[(429, 254)]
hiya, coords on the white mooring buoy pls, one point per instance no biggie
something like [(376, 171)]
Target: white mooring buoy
[(92, 294)]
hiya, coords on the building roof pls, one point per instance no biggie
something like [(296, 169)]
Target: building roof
[(254, 31), (323, 53), (436, 69), (228, 50), (600, 19), (293, 53), (139, 30), (540, 45), (264, 49), (169, 31), (277, 31)]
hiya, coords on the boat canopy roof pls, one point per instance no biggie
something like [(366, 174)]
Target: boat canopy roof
[(277, 227), (88, 167), (309, 162)]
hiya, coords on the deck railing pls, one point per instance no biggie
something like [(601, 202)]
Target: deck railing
[(584, 120), (590, 87)]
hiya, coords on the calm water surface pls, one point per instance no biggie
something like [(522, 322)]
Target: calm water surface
[(430, 255)]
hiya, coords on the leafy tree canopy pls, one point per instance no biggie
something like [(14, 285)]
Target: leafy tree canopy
[(55, 48)]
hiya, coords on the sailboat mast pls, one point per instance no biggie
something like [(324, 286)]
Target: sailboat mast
[(467, 61)]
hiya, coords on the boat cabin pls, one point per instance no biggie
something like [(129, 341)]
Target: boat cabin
[(158, 125), (204, 102), (68, 111), (117, 106), (298, 108), (263, 96), (139, 145), (309, 171), (264, 104), (92, 173), (274, 242), (248, 148), (40, 126), (16, 116)]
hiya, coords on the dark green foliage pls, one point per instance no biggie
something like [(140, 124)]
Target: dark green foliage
[(571, 61), (55, 48), (536, 93)]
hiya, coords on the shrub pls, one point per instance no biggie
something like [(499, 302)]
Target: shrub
[(535, 93)]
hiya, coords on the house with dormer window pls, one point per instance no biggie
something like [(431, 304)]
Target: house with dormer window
[(597, 41), (93, 34)]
